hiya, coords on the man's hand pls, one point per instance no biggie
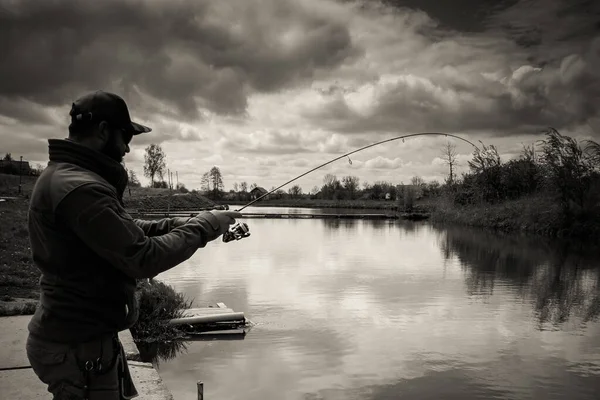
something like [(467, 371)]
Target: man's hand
[(220, 221), (226, 218)]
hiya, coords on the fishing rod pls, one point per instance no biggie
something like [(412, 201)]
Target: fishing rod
[(240, 229)]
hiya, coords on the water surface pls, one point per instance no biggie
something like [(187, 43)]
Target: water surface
[(361, 309)]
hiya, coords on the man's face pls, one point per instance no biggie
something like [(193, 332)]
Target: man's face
[(117, 145)]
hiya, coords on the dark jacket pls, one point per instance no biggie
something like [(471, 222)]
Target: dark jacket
[(90, 250)]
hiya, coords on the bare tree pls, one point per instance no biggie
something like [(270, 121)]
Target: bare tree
[(329, 180), (205, 182), (154, 162), (417, 181), (449, 157), (295, 191)]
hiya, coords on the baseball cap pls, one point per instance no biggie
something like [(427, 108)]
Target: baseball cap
[(104, 106)]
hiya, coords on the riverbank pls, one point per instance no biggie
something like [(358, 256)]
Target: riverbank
[(538, 215), (319, 203)]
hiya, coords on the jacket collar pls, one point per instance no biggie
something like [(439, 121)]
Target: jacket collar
[(67, 151)]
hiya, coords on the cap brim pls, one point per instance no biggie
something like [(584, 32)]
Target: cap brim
[(136, 128)]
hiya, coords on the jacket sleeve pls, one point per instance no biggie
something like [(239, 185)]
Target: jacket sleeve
[(95, 215), (161, 226)]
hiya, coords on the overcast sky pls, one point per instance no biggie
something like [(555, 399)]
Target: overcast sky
[(267, 89)]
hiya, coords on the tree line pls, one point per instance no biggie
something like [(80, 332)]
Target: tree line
[(557, 167)]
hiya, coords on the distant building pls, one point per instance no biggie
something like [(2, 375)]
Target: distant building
[(257, 192), (15, 167)]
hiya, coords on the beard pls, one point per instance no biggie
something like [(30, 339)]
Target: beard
[(112, 150)]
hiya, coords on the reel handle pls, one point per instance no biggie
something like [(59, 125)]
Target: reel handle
[(238, 231)]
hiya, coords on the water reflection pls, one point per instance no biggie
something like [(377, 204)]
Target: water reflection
[(155, 352), (367, 309), (559, 278), (337, 223)]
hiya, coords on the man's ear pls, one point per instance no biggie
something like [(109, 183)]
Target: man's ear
[(103, 133)]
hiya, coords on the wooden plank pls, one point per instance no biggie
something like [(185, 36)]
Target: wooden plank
[(207, 311), (221, 305), (202, 319), (233, 334)]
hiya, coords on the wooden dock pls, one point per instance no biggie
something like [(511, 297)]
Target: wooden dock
[(212, 323)]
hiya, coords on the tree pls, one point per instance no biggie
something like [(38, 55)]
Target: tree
[(8, 157), (253, 186), (351, 184), (295, 191), (181, 188), (449, 158), (569, 166), (485, 158), (592, 151), (330, 186), (216, 180), (244, 186), (417, 181), (133, 179), (154, 162), (235, 187), (205, 182), (329, 180)]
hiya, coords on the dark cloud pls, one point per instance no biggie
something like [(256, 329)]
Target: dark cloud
[(186, 54), (460, 15), (552, 80), (549, 29)]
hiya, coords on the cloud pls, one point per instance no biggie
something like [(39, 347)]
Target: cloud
[(458, 83), (277, 86), (549, 29), (181, 53), (383, 163), (214, 159), (268, 141), (266, 162)]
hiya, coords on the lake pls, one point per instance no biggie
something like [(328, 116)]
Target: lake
[(363, 309)]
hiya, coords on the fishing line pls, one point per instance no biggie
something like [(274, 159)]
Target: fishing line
[(356, 151)]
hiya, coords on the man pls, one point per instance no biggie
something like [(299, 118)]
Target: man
[(91, 251)]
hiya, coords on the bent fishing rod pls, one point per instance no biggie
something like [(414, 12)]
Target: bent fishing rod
[(240, 229)]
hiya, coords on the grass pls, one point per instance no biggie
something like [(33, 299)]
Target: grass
[(158, 303), (538, 214), (19, 277), (8, 309), (9, 185)]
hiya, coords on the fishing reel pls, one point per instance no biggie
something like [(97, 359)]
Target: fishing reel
[(237, 231)]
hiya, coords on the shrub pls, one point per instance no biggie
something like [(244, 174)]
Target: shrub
[(158, 304)]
